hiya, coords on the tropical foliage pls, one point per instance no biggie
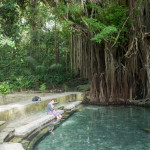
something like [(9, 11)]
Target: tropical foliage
[(27, 46), (106, 42)]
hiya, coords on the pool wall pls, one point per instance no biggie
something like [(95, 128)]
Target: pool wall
[(18, 110)]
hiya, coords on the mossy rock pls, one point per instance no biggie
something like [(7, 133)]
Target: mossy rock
[(147, 102), (83, 88), (73, 84), (16, 140), (141, 102)]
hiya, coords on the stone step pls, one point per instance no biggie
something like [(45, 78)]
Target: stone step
[(26, 126), (25, 130), (11, 146), (6, 134), (72, 105), (13, 111), (2, 124), (67, 106)]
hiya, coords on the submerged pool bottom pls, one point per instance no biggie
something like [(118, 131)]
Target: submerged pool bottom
[(101, 128)]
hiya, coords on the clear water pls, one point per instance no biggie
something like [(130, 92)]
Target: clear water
[(101, 128)]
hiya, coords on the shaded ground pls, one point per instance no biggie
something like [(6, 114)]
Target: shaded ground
[(21, 96)]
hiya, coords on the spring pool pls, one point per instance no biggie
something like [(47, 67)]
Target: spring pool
[(101, 128)]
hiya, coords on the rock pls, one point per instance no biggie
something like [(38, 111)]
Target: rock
[(83, 88), (6, 134), (11, 146), (147, 102), (142, 102)]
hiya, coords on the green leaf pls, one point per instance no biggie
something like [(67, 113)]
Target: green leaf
[(106, 34)]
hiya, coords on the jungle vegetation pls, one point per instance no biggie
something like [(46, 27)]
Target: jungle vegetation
[(104, 41), (33, 49)]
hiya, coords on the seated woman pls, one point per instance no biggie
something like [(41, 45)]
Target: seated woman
[(51, 110)]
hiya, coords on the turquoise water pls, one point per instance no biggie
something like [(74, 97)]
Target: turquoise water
[(101, 128)]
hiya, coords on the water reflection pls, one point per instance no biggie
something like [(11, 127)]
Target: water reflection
[(102, 128)]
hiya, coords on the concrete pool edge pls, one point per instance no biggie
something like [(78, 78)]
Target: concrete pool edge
[(139, 103), (16, 110), (74, 96), (26, 145), (11, 146), (45, 131)]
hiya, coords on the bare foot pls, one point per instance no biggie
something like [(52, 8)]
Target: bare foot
[(52, 133)]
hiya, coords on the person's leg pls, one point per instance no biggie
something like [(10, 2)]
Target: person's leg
[(57, 117), (60, 116), (51, 131)]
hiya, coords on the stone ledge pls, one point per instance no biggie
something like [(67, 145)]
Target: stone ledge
[(17, 110), (6, 134), (72, 105), (2, 123), (25, 130), (141, 102), (11, 146), (29, 128)]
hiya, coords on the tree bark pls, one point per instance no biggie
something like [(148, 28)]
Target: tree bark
[(117, 74), (56, 44)]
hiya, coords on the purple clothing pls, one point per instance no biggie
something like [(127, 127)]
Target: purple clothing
[(52, 113), (50, 110)]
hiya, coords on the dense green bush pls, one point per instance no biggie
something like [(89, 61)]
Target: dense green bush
[(43, 87), (4, 89), (27, 47)]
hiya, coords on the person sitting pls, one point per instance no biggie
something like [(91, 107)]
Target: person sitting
[(51, 110)]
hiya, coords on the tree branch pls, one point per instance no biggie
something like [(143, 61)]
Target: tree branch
[(45, 2), (120, 32)]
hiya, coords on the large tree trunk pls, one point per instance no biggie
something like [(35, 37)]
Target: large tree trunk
[(113, 79), (56, 44)]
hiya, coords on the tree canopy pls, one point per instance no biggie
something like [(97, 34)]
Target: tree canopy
[(104, 41), (27, 49)]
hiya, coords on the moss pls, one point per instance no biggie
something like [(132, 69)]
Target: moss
[(16, 139), (83, 88), (147, 102), (29, 145), (70, 98), (2, 126), (36, 107), (6, 115), (141, 102)]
